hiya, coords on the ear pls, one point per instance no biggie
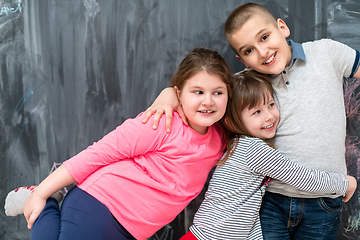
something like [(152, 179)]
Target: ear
[(241, 60), (283, 27), (177, 93)]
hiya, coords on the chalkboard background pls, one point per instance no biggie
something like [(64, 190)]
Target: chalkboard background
[(72, 70)]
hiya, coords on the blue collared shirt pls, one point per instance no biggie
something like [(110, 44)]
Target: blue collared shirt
[(297, 51)]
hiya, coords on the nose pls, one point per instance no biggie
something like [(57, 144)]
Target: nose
[(263, 51), (207, 100), (269, 116)]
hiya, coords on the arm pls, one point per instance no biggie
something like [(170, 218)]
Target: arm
[(132, 138), (357, 73), (269, 162), (35, 203), (166, 102), (114, 147)]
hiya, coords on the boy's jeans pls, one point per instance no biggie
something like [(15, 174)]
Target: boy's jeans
[(299, 218)]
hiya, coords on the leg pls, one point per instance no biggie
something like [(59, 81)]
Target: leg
[(321, 219), (47, 225), (81, 217), (274, 216), (84, 217)]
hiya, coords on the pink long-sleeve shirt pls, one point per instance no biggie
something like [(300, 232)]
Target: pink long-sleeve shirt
[(146, 177)]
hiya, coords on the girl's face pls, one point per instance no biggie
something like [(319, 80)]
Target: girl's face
[(262, 120), (203, 99)]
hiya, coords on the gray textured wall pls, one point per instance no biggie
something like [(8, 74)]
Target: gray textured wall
[(72, 70)]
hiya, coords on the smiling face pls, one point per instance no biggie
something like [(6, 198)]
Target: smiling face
[(203, 98), (261, 45), (261, 121)]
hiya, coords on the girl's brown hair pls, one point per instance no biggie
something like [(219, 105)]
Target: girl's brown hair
[(250, 89), (201, 59)]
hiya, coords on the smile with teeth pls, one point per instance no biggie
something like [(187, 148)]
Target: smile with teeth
[(270, 126), (207, 111), (270, 59)]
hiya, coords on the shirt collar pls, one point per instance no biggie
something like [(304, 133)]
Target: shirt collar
[(297, 51)]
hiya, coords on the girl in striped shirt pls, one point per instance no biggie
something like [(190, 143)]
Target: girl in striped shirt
[(231, 206)]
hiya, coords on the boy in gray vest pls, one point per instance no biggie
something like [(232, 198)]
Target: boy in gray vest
[(308, 82)]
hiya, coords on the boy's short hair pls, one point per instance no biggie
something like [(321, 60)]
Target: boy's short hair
[(240, 15)]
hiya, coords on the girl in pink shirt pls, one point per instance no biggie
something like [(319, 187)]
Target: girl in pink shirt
[(136, 180)]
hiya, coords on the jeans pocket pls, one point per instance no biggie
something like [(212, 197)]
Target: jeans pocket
[(331, 205)]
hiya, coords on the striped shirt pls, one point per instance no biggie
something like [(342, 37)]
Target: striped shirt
[(231, 206)]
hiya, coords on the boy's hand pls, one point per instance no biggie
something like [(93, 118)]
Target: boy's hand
[(33, 206), (351, 188), (166, 102)]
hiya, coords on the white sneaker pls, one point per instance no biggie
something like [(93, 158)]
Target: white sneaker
[(15, 199)]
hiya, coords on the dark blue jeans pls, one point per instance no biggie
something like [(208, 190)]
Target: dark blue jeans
[(299, 218), (81, 217)]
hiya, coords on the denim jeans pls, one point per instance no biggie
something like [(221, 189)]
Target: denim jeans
[(299, 218)]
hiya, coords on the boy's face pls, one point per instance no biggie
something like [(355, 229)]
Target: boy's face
[(262, 46)]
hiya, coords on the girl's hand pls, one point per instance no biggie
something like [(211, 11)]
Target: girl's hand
[(166, 102), (35, 203), (351, 188), (33, 206)]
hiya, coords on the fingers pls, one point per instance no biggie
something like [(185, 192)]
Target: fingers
[(33, 206), (27, 217), (346, 198), (168, 119), (31, 218), (166, 102), (158, 112), (147, 114), (168, 111), (157, 117), (352, 185)]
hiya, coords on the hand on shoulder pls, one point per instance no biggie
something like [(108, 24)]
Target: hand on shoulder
[(166, 102)]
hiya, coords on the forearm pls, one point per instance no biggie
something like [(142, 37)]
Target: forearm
[(320, 182), (57, 180)]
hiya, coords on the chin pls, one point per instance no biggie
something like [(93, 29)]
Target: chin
[(270, 137), (277, 71)]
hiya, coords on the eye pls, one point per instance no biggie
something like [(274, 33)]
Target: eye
[(271, 105), (248, 51), (198, 92), (264, 37), (218, 93), (256, 112)]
